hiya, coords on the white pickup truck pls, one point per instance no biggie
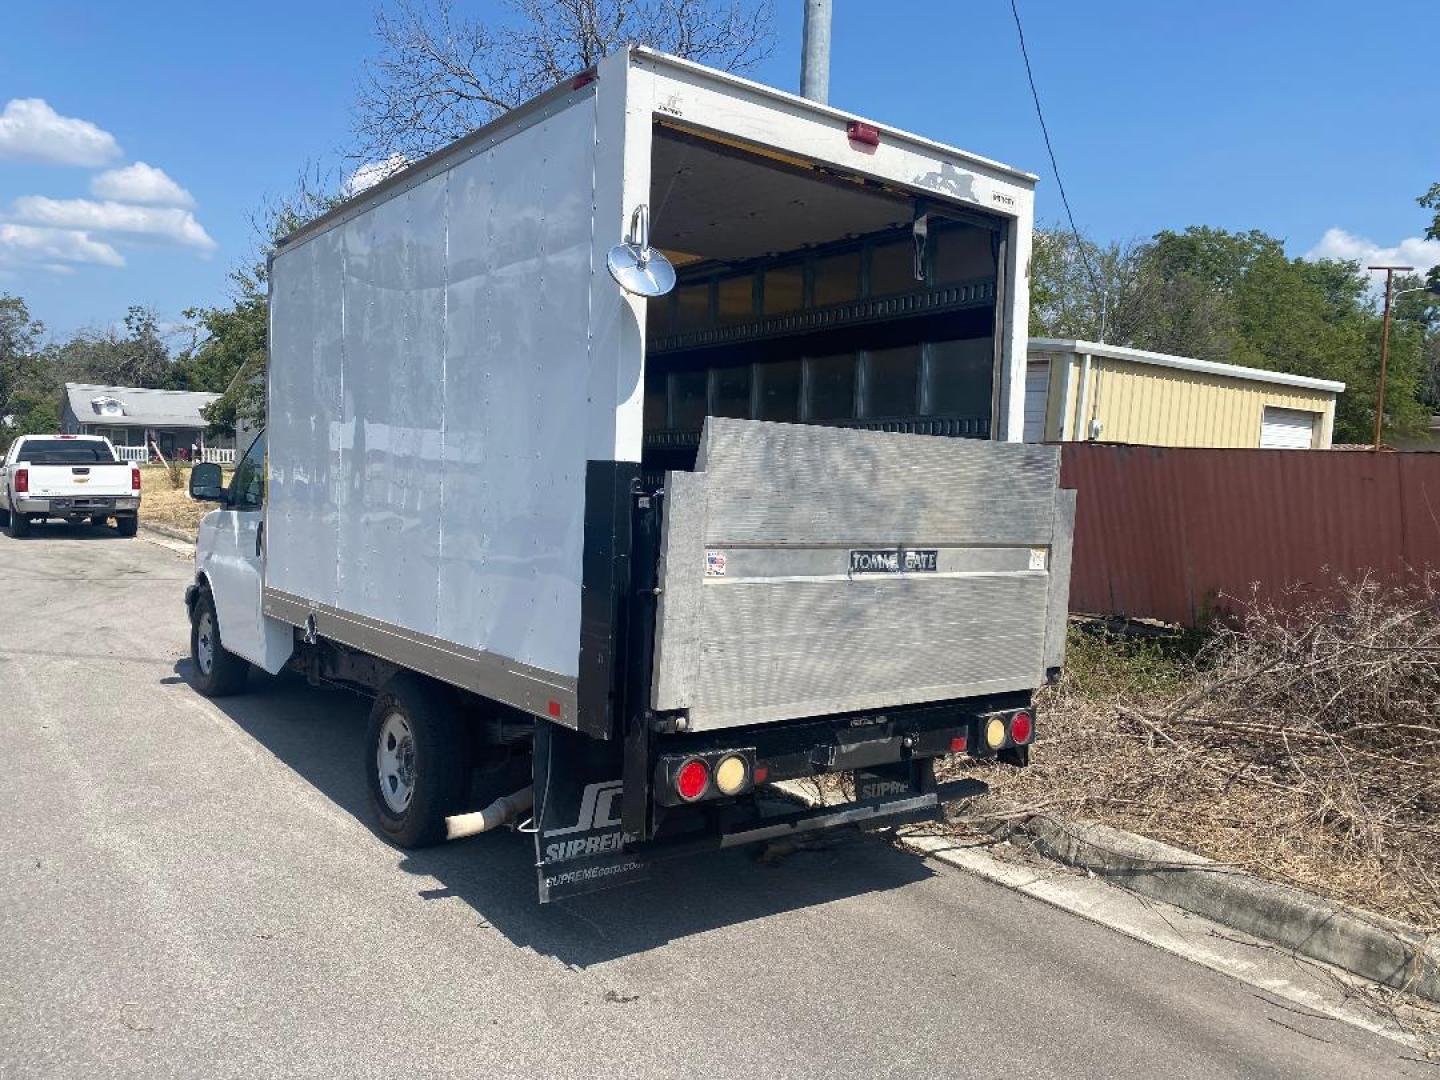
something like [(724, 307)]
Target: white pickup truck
[(71, 477)]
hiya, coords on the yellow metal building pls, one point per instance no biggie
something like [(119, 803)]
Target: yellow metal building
[(1083, 390)]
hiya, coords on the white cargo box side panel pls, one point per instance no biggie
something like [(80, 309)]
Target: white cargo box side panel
[(388, 551), (516, 382), (430, 410)]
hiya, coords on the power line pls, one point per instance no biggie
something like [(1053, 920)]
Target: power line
[(1054, 165)]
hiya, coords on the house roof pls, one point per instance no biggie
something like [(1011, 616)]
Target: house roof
[(131, 406), (1046, 346)]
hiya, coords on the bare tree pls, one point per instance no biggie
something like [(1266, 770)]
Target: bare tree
[(439, 74)]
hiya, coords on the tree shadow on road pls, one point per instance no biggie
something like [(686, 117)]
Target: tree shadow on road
[(320, 734)]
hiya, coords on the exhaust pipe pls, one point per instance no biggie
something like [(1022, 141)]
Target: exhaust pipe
[(502, 811)]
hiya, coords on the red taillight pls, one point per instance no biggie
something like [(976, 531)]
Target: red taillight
[(134, 478), (692, 780), (22, 479), (863, 133), (957, 744), (760, 774), (1021, 727)]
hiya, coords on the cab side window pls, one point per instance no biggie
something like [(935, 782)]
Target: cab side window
[(247, 486)]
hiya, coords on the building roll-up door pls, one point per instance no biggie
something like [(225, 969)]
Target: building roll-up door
[(1287, 429), (1037, 396)]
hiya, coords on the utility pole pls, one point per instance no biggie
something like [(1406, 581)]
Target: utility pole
[(815, 52), (1385, 345)]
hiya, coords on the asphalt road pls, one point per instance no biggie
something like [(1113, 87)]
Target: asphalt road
[(193, 889)]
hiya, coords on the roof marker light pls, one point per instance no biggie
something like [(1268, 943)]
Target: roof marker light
[(863, 133)]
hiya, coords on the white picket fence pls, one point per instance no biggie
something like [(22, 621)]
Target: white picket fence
[(140, 455)]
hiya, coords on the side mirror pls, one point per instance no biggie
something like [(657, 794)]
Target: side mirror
[(207, 484)]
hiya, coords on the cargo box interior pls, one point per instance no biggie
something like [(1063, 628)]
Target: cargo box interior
[(810, 296)]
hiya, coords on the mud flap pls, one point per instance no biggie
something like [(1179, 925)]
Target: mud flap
[(579, 839)]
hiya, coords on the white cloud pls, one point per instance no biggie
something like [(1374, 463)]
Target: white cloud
[(1412, 251), (30, 128), (154, 223), (372, 172), (53, 247), (141, 183)]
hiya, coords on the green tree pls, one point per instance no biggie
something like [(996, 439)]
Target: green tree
[(137, 356), (29, 394), (1431, 201), (1235, 297)]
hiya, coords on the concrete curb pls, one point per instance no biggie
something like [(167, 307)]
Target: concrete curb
[(166, 531), (1375, 948)]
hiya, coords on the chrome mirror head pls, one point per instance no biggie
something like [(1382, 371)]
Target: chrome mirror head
[(635, 265)]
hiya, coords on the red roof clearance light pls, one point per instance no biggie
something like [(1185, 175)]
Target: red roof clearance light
[(860, 132), (692, 780), (1021, 728)]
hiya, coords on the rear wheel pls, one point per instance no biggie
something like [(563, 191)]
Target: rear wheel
[(218, 673), (98, 519), (127, 524), (19, 525), (416, 760)]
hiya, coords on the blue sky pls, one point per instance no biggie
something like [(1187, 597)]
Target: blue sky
[(1293, 117)]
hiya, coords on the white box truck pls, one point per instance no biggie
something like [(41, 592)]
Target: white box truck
[(613, 556)]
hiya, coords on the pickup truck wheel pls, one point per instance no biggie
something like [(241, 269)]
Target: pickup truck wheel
[(217, 673), (18, 526), (127, 524), (98, 519), (415, 759)]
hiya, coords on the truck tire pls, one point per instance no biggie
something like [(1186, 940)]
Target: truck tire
[(18, 526), (98, 519), (416, 761), (218, 673), (127, 524)]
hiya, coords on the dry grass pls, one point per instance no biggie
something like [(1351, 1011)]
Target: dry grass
[(1303, 747), (165, 498)]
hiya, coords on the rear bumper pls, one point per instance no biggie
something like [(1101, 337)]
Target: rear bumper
[(76, 504), (571, 877)]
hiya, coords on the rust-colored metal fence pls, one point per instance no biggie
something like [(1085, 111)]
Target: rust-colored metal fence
[(1170, 533)]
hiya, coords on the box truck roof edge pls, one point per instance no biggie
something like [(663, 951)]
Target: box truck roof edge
[(564, 93)]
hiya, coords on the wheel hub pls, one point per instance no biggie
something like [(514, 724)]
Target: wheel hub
[(205, 644), (395, 762)]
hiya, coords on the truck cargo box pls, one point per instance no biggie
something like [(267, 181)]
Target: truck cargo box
[(461, 403), (654, 445)]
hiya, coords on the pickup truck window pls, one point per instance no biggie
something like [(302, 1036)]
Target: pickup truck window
[(247, 487), (65, 452)]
